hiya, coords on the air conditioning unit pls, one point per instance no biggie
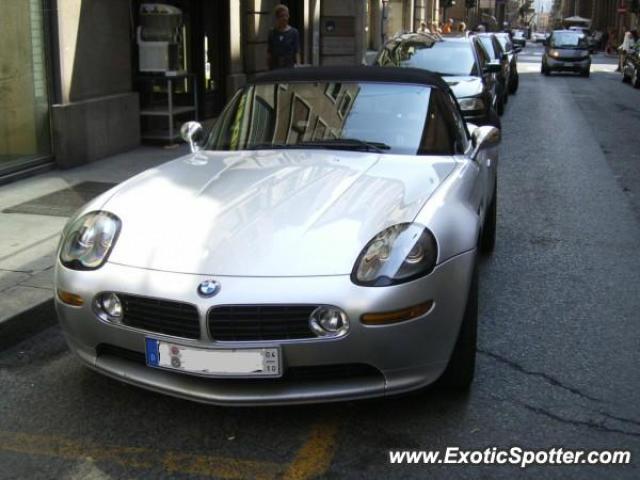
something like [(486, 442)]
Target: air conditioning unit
[(159, 37)]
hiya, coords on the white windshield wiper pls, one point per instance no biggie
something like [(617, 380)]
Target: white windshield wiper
[(333, 143)]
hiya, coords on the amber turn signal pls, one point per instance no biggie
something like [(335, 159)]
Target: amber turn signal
[(70, 298), (396, 316)]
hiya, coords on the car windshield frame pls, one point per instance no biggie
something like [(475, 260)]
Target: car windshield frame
[(365, 104), (580, 44)]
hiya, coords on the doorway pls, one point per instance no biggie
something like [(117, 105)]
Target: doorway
[(296, 19), (209, 42)]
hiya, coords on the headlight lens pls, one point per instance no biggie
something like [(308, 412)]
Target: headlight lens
[(472, 103), (88, 240), (398, 254), (554, 53)]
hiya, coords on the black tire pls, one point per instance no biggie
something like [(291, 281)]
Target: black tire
[(500, 105), (488, 239), (513, 86), (461, 368), (494, 119), (545, 70), (625, 79), (586, 73), (635, 79)]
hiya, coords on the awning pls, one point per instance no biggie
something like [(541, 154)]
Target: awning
[(577, 19)]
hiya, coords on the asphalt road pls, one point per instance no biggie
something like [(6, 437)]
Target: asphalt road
[(559, 339)]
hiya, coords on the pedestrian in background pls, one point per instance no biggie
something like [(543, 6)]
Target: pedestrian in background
[(629, 44), (283, 44)]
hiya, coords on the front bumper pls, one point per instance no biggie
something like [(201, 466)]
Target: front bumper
[(407, 355), (568, 65)]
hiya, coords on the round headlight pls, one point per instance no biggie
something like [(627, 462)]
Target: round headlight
[(329, 322), (109, 307), (88, 240), (398, 254)]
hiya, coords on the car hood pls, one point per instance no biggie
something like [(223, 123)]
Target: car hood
[(270, 212), (464, 86)]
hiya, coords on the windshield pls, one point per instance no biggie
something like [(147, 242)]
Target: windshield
[(380, 117), (488, 46), (504, 42), (568, 40), (445, 58)]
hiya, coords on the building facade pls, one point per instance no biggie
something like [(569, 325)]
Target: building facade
[(614, 16), (24, 88)]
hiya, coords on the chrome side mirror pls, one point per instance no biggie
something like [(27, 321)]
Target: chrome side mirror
[(193, 134), (483, 138)]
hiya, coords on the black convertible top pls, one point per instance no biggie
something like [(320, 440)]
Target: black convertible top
[(354, 74)]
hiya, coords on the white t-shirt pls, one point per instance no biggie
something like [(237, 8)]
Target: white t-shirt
[(628, 43)]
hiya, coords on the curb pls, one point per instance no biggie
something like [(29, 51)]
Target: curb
[(33, 320)]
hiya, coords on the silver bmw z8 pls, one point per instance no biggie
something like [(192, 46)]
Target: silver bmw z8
[(320, 243)]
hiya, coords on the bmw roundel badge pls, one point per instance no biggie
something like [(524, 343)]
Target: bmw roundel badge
[(209, 288)]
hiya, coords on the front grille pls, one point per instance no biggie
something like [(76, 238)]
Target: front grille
[(260, 322), (291, 374), (161, 316)]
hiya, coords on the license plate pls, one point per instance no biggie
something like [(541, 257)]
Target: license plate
[(239, 363), (568, 64)]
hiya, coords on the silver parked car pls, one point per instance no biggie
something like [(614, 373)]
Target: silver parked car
[(320, 244)]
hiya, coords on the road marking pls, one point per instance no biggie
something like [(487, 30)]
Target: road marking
[(316, 454), (210, 466), (142, 458)]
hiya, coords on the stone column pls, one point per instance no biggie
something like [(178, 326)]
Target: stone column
[(341, 32), (376, 24), (99, 114)]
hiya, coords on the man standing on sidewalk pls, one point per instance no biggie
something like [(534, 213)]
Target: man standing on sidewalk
[(283, 48)]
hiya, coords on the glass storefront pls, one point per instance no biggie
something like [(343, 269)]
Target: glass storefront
[(24, 102)]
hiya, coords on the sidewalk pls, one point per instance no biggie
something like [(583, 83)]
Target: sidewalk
[(30, 227)]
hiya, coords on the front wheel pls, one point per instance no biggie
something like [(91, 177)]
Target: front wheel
[(461, 368), (500, 105), (586, 73), (513, 84), (494, 119), (625, 79)]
